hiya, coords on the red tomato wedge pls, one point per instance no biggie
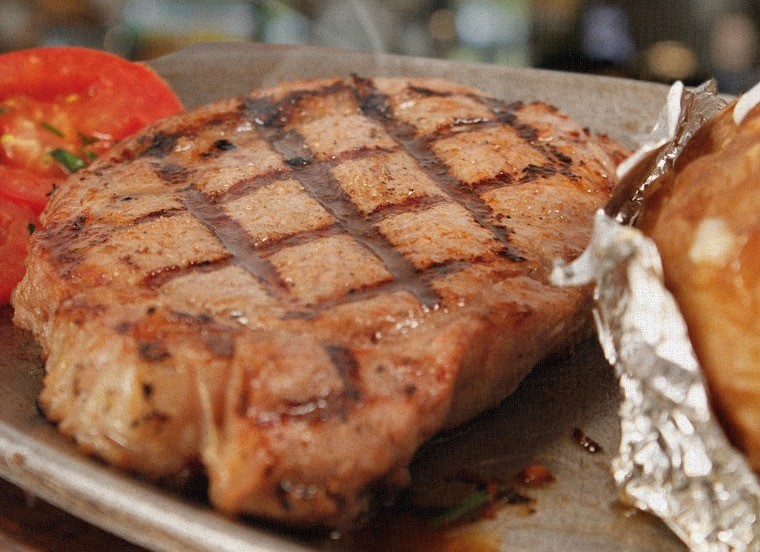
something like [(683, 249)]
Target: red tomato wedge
[(24, 186), (16, 223), (60, 107)]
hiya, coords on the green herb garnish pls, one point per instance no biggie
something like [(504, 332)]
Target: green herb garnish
[(469, 506), (70, 161), (87, 140), (50, 128), (31, 228), (476, 503), (4, 109)]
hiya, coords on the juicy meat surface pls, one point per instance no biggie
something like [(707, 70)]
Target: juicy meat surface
[(295, 289)]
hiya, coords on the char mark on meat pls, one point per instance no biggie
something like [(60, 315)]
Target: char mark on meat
[(234, 239), (374, 105), (318, 181)]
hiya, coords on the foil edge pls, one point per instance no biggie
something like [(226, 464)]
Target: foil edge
[(674, 459)]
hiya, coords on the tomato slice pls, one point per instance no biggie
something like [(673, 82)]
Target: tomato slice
[(105, 93), (23, 186), (60, 107), (74, 102), (15, 221)]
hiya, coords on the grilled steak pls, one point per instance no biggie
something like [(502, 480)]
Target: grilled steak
[(297, 288)]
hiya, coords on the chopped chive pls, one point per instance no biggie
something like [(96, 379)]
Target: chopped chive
[(87, 140), (476, 504), (31, 228), (4, 109), (90, 155), (50, 128), (466, 507), (70, 161)]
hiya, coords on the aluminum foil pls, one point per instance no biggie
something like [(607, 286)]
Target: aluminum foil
[(674, 459)]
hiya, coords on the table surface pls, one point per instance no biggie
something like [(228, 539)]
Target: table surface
[(29, 524)]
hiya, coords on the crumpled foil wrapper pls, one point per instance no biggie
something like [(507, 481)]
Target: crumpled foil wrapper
[(674, 459)]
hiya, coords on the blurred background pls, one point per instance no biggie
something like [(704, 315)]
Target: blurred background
[(657, 40)]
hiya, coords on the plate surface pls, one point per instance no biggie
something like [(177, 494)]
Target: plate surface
[(579, 509)]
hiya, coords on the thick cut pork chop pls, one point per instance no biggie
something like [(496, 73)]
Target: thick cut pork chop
[(295, 289)]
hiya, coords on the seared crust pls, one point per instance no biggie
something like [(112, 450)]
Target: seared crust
[(298, 288), (705, 219)]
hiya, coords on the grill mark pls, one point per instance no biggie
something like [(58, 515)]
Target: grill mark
[(273, 245), (534, 172), (430, 274), (505, 112), (291, 147), (234, 239), (444, 269), (423, 91), (244, 187), (161, 213), (161, 144), (528, 134), (563, 158), (161, 276), (264, 112), (408, 205), (69, 240), (322, 187), (362, 153), (373, 290), (375, 105), (249, 185), (501, 180), (217, 147), (227, 230), (508, 113)]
